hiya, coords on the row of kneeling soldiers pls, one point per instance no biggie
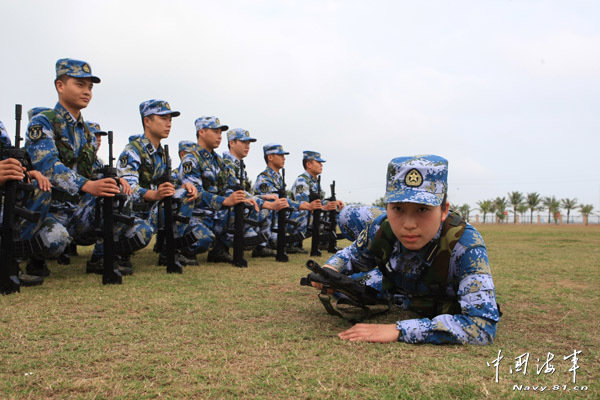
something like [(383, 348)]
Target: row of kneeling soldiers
[(63, 147)]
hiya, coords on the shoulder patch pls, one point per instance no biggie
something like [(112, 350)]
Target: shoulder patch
[(264, 187), (187, 167), (123, 161), (35, 132), (361, 240)]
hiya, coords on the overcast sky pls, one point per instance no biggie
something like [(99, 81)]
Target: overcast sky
[(507, 91)]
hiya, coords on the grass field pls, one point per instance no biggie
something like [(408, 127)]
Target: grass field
[(221, 332)]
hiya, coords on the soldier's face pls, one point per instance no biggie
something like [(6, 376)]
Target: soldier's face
[(211, 138), (158, 126), (415, 224), (75, 93), (314, 167), (278, 161), (239, 148)]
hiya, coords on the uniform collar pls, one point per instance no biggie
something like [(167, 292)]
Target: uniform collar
[(62, 112), (148, 146)]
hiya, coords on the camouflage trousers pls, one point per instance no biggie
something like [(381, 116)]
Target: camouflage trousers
[(194, 227), (65, 222), (221, 223)]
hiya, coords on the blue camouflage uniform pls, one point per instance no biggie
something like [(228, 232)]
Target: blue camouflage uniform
[(4, 138), (352, 219), (422, 180), (142, 166), (208, 172), (303, 186), (232, 165), (54, 237), (270, 182), (64, 149)]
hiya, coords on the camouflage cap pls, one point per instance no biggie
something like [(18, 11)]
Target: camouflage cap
[(95, 128), (209, 122), (186, 145), (75, 68), (239, 134), (35, 111), (419, 179), (156, 107), (273, 148), (311, 155)]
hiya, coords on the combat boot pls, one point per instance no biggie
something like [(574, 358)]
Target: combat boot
[(29, 280), (37, 267), (220, 253), (95, 265), (262, 251), (64, 258), (124, 265)]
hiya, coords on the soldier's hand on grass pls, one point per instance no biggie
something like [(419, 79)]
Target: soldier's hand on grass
[(236, 197), (105, 187), (11, 170), (43, 182), (125, 187), (377, 333)]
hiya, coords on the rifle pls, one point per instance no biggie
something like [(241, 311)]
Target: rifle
[(356, 293), (112, 211), (170, 215), (316, 222), (282, 218), (238, 224), (9, 249), (332, 246)]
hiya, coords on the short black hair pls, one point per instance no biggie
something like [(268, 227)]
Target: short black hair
[(304, 162)]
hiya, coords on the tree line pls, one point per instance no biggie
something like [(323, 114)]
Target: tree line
[(518, 203)]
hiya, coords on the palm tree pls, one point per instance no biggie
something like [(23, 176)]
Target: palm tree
[(553, 206), (515, 198), (533, 201), (547, 202), (501, 203), (464, 210), (485, 206), (522, 209), (586, 210), (568, 204)]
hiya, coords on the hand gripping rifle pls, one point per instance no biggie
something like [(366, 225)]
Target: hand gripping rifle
[(170, 215), (112, 211), (282, 217), (11, 248), (316, 221), (362, 297)]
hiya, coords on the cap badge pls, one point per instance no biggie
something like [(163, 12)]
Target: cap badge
[(167, 106), (413, 178), (86, 68)]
